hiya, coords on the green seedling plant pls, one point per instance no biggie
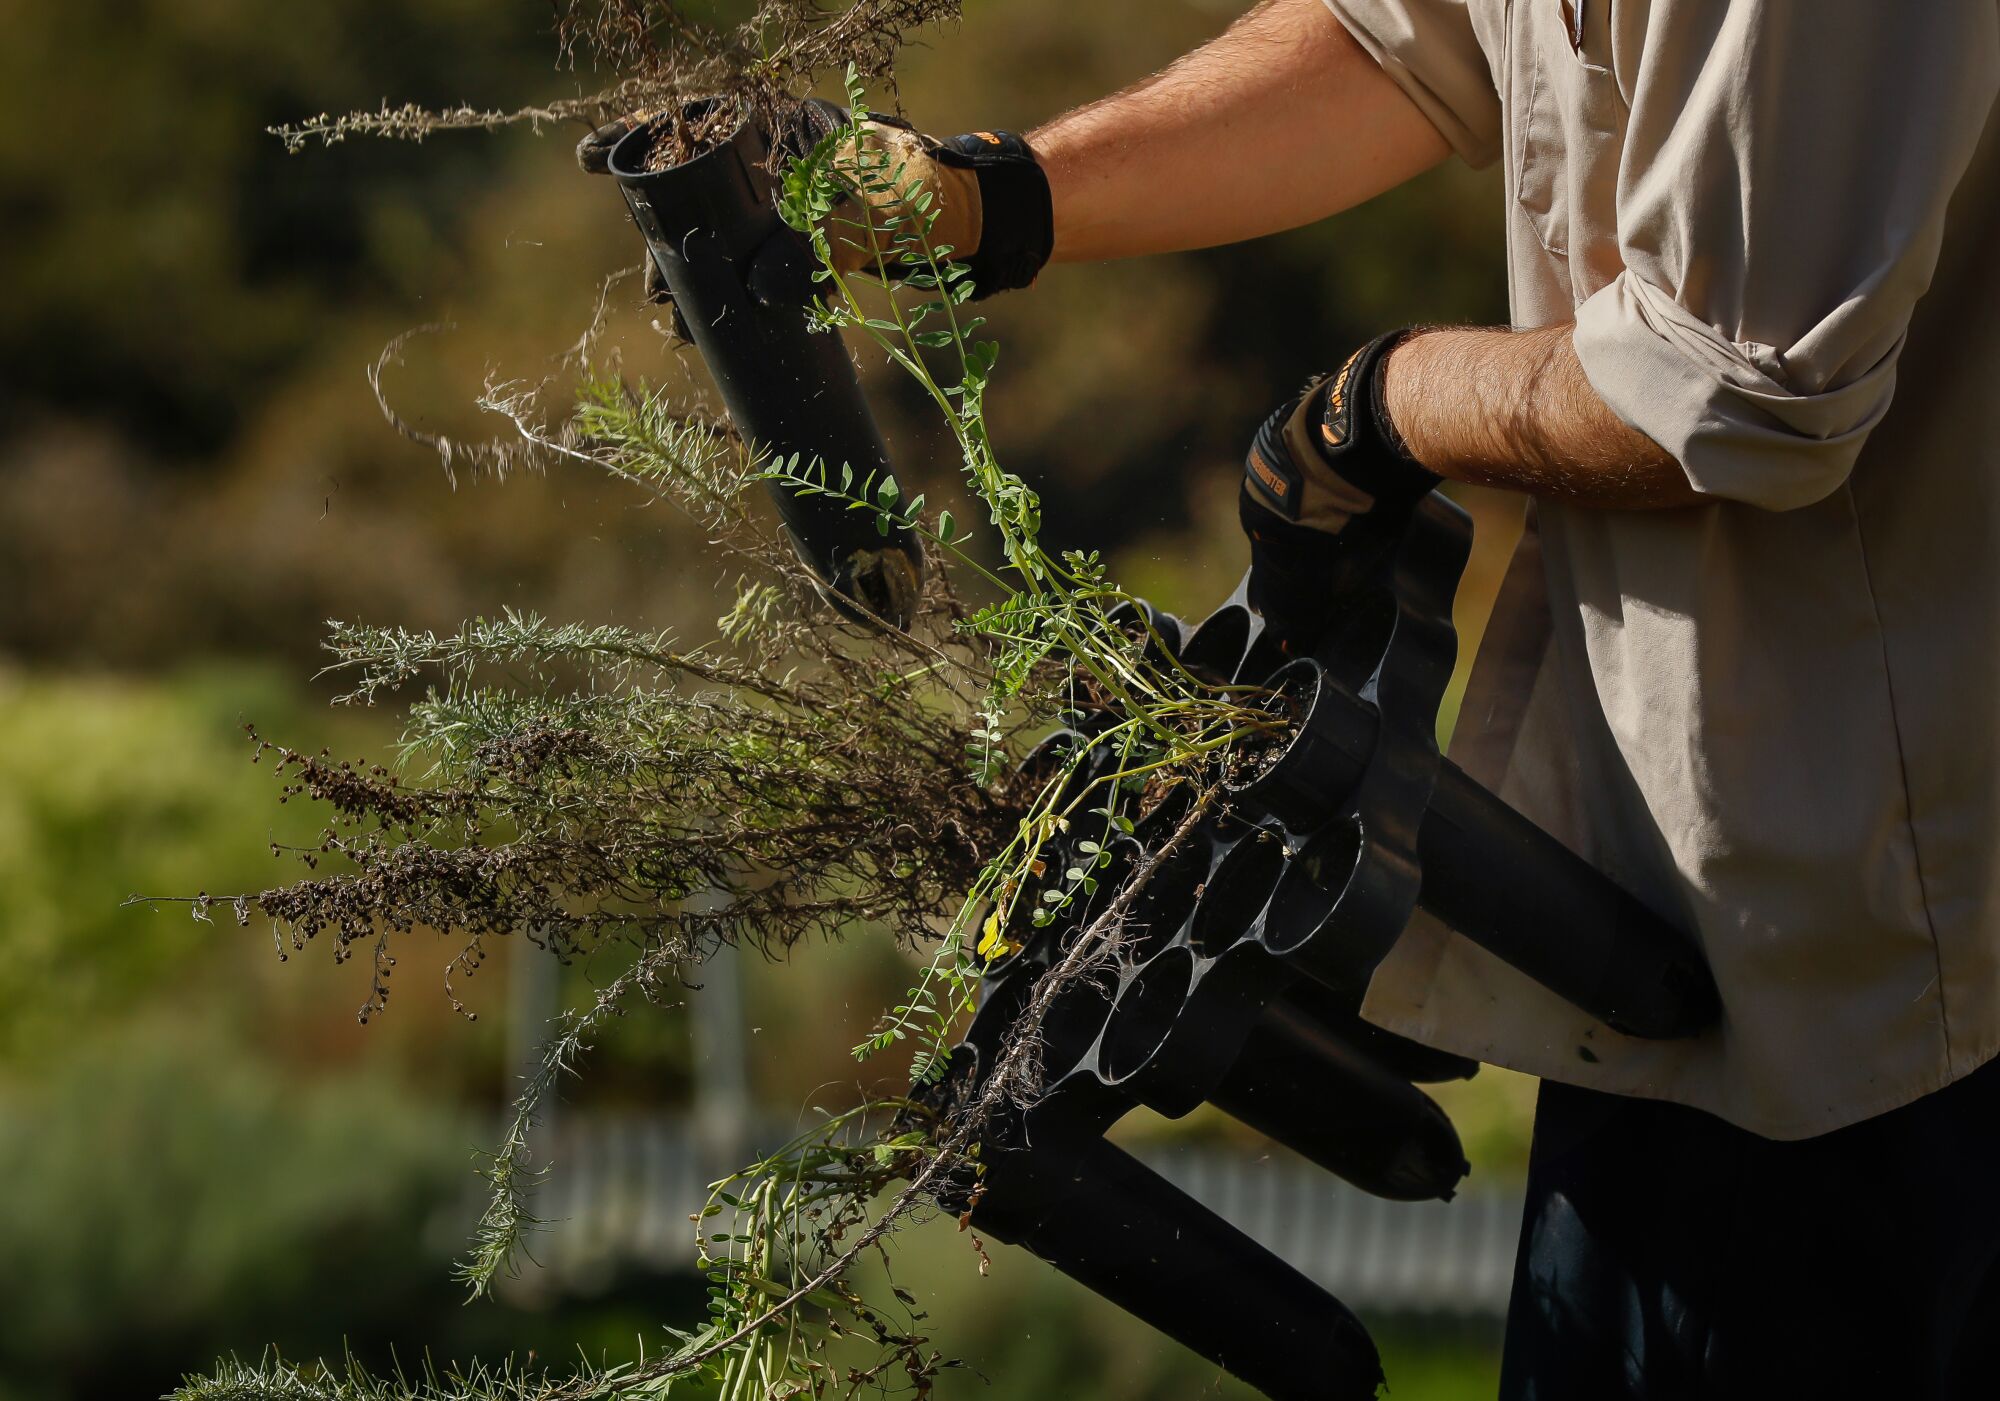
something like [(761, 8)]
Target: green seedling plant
[(1045, 610)]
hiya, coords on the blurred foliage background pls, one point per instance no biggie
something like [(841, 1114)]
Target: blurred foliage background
[(201, 1150)]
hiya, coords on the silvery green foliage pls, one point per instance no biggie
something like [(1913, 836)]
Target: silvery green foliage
[(576, 786)]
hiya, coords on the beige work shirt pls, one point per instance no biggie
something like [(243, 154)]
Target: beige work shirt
[(1773, 715)]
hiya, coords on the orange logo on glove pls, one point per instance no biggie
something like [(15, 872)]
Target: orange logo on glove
[(1273, 481), (1333, 425)]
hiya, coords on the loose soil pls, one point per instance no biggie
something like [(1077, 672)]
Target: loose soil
[(1257, 756), (676, 141)]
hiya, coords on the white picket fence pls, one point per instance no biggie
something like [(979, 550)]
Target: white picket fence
[(624, 1186)]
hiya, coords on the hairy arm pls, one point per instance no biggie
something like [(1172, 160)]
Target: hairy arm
[(1513, 409), (1282, 120), (1285, 119)]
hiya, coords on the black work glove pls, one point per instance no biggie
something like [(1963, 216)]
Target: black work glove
[(989, 194), (1327, 490)]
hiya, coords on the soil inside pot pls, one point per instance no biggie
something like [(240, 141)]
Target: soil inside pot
[(1032, 775), (1259, 754), (677, 140), (1162, 804), (1132, 628)]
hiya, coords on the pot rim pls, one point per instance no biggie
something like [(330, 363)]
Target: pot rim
[(1244, 850), (628, 174), (1346, 834), (1173, 970), (1301, 666)]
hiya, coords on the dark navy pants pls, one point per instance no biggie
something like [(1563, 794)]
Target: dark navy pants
[(1666, 1254)]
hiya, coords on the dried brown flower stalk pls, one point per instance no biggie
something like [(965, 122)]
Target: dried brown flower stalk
[(662, 58)]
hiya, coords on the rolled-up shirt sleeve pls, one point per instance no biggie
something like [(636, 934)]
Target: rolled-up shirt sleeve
[(1780, 202), (1431, 50)]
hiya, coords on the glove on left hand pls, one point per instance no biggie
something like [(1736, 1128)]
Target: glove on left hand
[(1327, 489)]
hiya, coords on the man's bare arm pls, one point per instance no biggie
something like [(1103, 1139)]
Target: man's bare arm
[(1282, 120), (1513, 409)]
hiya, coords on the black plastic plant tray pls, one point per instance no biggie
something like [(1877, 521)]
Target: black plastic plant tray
[(1247, 954)]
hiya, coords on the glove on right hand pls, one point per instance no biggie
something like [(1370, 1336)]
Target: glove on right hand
[(988, 193)]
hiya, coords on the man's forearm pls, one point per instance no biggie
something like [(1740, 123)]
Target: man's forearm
[(1514, 409), (1282, 120)]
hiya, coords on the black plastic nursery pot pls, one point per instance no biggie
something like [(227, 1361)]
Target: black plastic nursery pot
[(791, 392), (1514, 890), (1214, 650), (1337, 1107), (1139, 1029), (1162, 631), (1308, 779), (1236, 892), (1050, 756), (1176, 1038), (1167, 815), (1161, 907), (1487, 872), (1337, 908), (1112, 1224), (1339, 1018), (1208, 1016)]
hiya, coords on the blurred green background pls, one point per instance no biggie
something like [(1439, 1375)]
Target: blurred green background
[(201, 1151)]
